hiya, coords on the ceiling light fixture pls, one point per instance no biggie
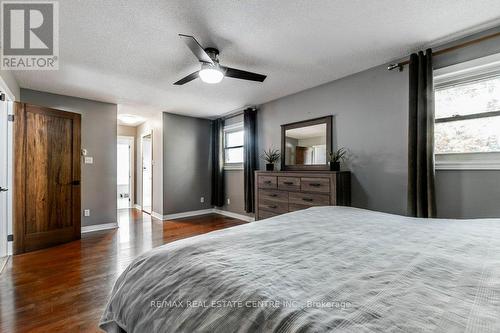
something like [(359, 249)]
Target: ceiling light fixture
[(130, 119), (210, 74)]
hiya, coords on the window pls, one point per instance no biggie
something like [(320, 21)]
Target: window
[(467, 118), (233, 146)]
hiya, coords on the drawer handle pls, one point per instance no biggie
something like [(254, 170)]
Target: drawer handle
[(273, 206), (315, 184), (267, 182), (288, 183), (273, 195), (307, 199)]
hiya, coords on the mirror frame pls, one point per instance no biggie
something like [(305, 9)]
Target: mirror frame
[(328, 120)]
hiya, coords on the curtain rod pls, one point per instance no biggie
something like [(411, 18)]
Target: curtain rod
[(237, 113), (400, 65)]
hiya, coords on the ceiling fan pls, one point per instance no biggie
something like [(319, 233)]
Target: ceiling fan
[(211, 71)]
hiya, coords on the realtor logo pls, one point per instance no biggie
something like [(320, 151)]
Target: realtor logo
[(30, 35)]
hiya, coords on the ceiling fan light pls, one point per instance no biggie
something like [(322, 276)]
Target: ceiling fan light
[(211, 75)]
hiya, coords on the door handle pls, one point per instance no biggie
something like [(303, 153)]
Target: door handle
[(3, 189), (75, 182)]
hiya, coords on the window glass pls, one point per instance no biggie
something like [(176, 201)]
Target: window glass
[(480, 131), (469, 98), (234, 155), (234, 139), (233, 145), (468, 136)]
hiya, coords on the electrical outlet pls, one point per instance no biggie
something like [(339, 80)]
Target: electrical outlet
[(86, 212), (202, 199), (228, 201)]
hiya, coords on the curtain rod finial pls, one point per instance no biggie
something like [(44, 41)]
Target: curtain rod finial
[(394, 66)]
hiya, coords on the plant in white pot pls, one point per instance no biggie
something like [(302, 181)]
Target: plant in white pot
[(271, 156)]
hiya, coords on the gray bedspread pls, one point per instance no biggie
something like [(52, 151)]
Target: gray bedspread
[(322, 269)]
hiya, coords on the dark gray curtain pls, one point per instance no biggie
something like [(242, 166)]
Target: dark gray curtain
[(421, 192), (217, 163), (250, 158)]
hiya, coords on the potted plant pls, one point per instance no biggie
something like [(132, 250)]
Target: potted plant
[(336, 157), (271, 156)]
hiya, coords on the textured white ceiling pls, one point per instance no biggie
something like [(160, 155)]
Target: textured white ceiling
[(128, 52)]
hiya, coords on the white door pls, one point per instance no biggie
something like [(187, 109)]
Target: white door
[(124, 173), (147, 173), (3, 177)]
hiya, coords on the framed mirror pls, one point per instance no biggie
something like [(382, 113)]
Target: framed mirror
[(305, 144)]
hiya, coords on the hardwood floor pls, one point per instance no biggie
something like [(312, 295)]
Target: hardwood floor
[(65, 288)]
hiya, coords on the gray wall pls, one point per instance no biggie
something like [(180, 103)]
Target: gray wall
[(186, 162), (468, 194), (99, 138), (153, 125), (370, 119)]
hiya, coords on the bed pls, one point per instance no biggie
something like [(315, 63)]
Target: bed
[(323, 269)]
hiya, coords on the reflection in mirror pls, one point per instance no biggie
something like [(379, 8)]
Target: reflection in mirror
[(306, 145)]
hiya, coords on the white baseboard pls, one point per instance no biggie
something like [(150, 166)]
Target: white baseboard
[(136, 206), (202, 212), (157, 215), (98, 227), (188, 214), (234, 215)]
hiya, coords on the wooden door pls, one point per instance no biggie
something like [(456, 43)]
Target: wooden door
[(46, 177)]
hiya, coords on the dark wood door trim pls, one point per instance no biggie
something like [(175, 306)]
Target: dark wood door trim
[(24, 242)]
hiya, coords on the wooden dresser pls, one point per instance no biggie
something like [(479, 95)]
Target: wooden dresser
[(279, 192)]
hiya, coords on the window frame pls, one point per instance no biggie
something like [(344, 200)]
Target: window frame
[(463, 73), (232, 128)]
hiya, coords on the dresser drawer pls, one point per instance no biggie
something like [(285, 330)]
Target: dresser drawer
[(265, 214), (273, 195), (273, 206), (320, 185), (289, 183), (267, 181), (309, 199)]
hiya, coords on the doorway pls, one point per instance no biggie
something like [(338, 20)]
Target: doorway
[(125, 172), (147, 172), (4, 179)]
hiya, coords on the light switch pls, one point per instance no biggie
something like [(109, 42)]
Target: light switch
[(86, 212), (89, 160)]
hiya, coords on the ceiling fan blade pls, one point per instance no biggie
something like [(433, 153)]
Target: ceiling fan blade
[(187, 79), (196, 48), (244, 75)]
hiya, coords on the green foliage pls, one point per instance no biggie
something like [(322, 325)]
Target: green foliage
[(271, 156), (338, 155)]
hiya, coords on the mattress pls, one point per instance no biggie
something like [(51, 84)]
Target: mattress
[(324, 269)]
